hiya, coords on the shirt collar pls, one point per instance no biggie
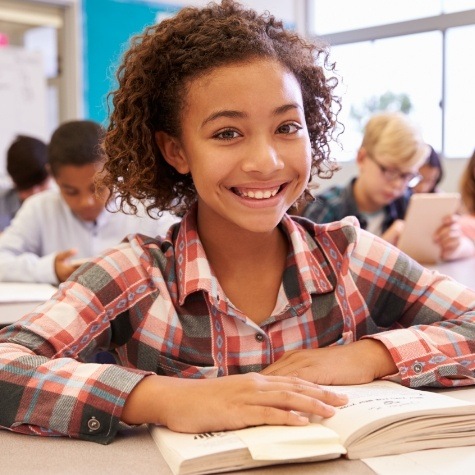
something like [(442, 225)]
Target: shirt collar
[(308, 268)]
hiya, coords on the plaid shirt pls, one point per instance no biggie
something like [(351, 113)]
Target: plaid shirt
[(338, 202), (159, 305)]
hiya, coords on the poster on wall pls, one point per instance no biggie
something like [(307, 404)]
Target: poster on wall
[(125, 19), (23, 90)]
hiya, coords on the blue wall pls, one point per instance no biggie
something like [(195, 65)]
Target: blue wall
[(107, 29)]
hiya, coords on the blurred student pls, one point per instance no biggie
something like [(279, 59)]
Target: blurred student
[(389, 159), (55, 227), (26, 165), (431, 173)]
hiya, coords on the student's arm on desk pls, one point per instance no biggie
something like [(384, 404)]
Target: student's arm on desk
[(227, 403), (20, 243), (426, 322)]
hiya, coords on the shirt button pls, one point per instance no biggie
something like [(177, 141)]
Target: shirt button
[(417, 368), (259, 337), (93, 424)]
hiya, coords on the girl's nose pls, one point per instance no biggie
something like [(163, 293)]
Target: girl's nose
[(262, 158)]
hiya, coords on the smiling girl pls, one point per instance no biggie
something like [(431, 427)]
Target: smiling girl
[(237, 316)]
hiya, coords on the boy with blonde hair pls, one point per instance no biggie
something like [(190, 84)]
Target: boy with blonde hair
[(389, 158)]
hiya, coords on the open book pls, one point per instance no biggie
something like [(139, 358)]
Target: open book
[(381, 418)]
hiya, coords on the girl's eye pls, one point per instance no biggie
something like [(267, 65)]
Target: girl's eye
[(290, 128), (227, 134)]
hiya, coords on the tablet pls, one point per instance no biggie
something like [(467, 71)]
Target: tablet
[(423, 217)]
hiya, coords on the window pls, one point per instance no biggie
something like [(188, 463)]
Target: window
[(410, 56), (459, 120)]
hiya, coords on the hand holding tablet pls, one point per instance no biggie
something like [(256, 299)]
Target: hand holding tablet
[(423, 217)]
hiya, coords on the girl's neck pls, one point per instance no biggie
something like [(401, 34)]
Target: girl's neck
[(238, 248), (249, 266)]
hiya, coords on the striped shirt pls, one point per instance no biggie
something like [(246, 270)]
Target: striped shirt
[(157, 305)]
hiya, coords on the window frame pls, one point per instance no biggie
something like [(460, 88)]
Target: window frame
[(441, 23)]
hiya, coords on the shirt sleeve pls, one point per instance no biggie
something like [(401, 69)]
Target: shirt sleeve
[(46, 385), (20, 256), (426, 320)]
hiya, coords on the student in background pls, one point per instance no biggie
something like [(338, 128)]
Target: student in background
[(26, 165), (431, 173), (54, 227), (389, 158), (241, 311)]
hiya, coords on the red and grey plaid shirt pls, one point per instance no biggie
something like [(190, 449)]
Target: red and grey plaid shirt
[(158, 306)]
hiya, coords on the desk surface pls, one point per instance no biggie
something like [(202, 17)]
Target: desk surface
[(463, 270), (132, 451), (18, 299)]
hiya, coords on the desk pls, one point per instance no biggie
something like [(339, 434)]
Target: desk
[(18, 299), (132, 451), (12, 311), (463, 270)]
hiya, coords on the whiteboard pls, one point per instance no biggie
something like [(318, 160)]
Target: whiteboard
[(23, 91)]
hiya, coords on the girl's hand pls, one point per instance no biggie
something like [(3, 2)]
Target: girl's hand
[(355, 363), (227, 403), (453, 243)]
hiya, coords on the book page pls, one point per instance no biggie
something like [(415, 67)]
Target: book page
[(290, 442), (373, 405), (263, 442)]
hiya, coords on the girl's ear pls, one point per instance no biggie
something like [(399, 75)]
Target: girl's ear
[(172, 152)]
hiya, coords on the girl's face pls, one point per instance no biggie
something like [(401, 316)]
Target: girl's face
[(245, 142), (430, 175)]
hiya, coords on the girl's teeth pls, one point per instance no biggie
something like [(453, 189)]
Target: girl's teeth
[(259, 195)]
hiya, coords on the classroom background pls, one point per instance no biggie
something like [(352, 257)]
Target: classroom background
[(58, 61)]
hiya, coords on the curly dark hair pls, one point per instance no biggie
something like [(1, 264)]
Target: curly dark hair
[(153, 79)]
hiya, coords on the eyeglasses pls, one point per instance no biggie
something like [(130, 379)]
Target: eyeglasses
[(391, 174)]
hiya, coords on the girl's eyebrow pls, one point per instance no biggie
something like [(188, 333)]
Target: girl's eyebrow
[(233, 114), (286, 107)]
